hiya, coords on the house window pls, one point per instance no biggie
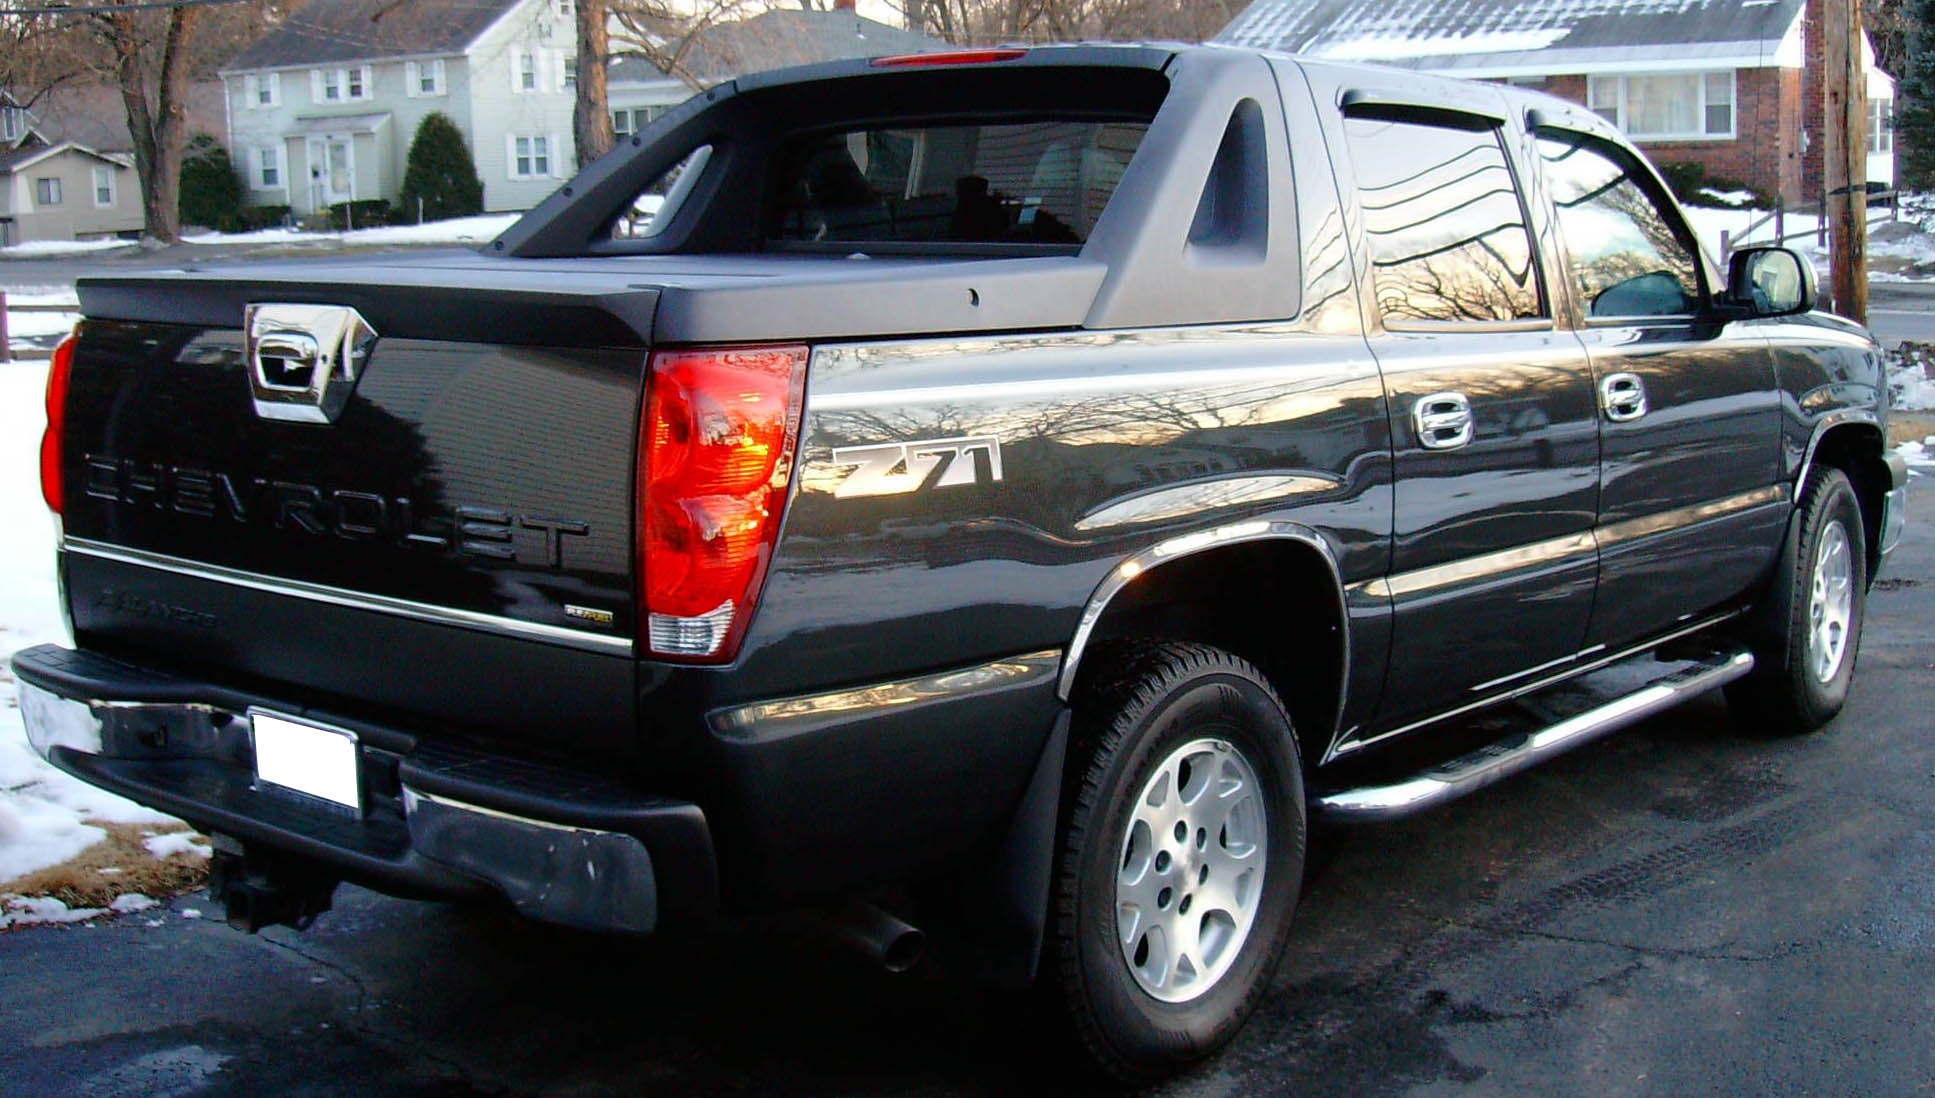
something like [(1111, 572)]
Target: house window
[(627, 121), (530, 156), (338, 85), (564, 7), (47, 191), (103, 186), (569, 76), (1666, 106), (264, 91), (423, 78), (524, 72), (268, 168), (1881, 125), (10, 124)]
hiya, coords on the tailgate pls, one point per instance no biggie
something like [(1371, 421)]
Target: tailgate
[(451, 538)]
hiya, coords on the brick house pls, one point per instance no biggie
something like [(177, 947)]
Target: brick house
[(1728, 84)]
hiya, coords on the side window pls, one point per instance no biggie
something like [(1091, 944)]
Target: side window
[(1628, 254), (1447, 230)]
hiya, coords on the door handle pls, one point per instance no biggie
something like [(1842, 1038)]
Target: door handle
[(1623, 396), (1443, 421)]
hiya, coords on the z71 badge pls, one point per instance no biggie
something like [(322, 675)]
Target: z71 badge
[(891, 468)]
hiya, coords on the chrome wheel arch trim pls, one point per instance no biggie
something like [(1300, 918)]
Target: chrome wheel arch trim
[(1173, 549), (1840, 417)]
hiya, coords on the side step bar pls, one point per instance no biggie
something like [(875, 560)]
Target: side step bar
[(1498, 761)]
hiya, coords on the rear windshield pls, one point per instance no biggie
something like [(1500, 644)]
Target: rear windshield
[(1035, 182)]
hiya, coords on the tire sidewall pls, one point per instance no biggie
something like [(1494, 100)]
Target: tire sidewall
[(1220, 705), (1836, 500)]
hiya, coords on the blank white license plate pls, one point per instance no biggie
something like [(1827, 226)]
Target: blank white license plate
[(308, 758)]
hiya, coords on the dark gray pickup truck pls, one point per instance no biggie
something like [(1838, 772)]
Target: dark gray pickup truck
[(1005, 493)]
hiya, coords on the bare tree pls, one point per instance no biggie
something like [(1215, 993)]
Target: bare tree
[(591, 130)]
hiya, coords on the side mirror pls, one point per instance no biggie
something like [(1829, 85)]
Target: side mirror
[(1771, 282)]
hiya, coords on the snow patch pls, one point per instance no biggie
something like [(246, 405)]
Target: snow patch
[(1919, 455), (35, 249), (457, 230), (127, 903), (178, 842), (28, 910)]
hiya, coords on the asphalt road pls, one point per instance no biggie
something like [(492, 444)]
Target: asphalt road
[(1683, 909)]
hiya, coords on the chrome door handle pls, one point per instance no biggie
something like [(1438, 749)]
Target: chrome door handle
[(1623, 396), (1443, 421)]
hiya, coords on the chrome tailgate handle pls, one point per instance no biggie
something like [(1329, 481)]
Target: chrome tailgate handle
[(1623, 396), (1443, 421)]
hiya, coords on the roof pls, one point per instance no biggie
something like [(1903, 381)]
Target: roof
[(363, 30), (1502, 36), (13, 160), (779, 39)]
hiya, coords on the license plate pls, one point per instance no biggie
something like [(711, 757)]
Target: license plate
[(306, 757)]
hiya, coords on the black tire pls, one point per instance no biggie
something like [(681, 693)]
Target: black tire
[(1787, 695), (1165, 701)]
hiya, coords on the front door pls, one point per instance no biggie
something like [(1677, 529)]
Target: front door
[(1494, 441), (1690, 507), (332, 170)]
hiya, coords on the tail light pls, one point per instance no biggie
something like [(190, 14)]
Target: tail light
[(715, 458), (50, 441)]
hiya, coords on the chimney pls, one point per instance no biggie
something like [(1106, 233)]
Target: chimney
[(843, 5)]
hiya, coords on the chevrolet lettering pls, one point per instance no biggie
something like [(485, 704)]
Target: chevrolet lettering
[(995, 501)]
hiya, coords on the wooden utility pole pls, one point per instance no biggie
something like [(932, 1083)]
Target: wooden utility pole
[(1845, 159)]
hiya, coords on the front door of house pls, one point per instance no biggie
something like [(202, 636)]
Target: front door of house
[(332, 170)]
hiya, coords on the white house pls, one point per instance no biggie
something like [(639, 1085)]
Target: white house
[(322, 110)]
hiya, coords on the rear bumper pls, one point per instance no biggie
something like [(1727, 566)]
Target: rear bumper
[(438, 821)]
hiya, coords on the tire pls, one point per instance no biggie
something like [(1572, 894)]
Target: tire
[(1810, 627), (1184, 818)]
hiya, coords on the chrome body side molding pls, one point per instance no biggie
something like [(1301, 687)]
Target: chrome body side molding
[(355, 600)]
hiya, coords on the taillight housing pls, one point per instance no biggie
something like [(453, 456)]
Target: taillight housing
[(50, 440), (715, 459)]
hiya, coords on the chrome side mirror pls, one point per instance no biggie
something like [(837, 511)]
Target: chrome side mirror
[(1772, 282)]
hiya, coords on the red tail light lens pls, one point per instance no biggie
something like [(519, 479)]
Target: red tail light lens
[(50, 441), (947, 57), (715, 455)]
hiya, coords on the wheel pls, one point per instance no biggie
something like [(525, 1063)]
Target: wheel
[(1810, 626), (1181, 856)]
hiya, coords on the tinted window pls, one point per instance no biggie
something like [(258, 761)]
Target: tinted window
[(1017, 183), (1446, 227), (1628, 256)]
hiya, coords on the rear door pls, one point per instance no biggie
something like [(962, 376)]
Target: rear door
[(1492, 415), (1691, 508)]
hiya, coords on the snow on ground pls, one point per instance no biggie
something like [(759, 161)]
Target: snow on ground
[(24, 910), (177, 842), (43, 813), (1920, 455), (457, 230), (1908, 388), (40, 249), (23, 326)]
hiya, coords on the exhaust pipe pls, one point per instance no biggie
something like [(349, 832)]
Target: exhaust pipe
[(878, 935)]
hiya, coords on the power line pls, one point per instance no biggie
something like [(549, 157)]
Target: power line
[(138, 5)]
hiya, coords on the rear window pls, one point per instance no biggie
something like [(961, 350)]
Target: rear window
[(1035, 182)]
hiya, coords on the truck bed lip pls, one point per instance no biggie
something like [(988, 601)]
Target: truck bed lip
[(358, 600)]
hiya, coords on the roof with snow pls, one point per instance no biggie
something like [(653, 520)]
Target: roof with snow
[(363, 30), (1507, 37), (779, 39)]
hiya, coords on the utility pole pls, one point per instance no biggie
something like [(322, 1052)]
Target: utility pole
[(1844, 99)]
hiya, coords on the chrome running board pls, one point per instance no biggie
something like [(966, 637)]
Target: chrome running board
[(1497, 761)]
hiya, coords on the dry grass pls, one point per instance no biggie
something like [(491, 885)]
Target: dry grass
[(80, 882)]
